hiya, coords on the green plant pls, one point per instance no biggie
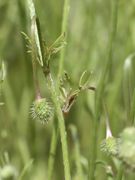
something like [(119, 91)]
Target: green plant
[(2, 76), (42, 110), (43, 56), (81, 51), (101, 87)]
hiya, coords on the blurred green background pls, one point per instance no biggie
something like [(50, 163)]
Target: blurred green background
[(87, 40)]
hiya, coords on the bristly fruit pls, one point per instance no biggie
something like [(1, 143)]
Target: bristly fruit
[(42, 110), (127, 147), (110, 146)]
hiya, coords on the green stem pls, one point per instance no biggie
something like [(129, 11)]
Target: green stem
[(77, 154), (36, 33), (55, 129), (92, 163), (52, 154), (78, 161), (62, 128), (63, 30), (100, 90), (132, 113), (34, 60), (120, 173)]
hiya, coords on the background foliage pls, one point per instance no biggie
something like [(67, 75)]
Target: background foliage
[(87, 42)]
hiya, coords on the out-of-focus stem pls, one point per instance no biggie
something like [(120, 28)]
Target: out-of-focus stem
[(100, 91), (120, 173), (52, 154), (77, 155), (63, 30)]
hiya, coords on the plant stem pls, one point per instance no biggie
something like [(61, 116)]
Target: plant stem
[(52, 154), (62, 128), (78, 161), (55, 132), (63, 30), (100, 91), (133, 109), (37, 40), (120, 173), (34, 60), (77, 154), (92, 164)]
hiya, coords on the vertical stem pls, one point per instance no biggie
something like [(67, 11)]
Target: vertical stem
[(132, 113), (100, 91), (77, 154), (36, 84), (62, 128), (34, 60), (92, 163), (120, 173), (63, 30), (36, 34), (52, 154), (55, 129), (23, 27), (78, 161)]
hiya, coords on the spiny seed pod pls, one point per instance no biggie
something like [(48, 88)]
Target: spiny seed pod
[(42, 110), (127, 147), (110, 146)]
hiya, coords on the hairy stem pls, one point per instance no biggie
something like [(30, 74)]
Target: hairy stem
[(55, 133), (38, 42), (62, 128)]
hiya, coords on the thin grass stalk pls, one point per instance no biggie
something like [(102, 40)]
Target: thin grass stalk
[(55, 133), (23, 26), (133, 109), (78, 160), (79, 170), (120, 173), (100, 91), (52, 154), (63, 30), (128, 89), (25, 169), (128, 86), (34, 61)]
